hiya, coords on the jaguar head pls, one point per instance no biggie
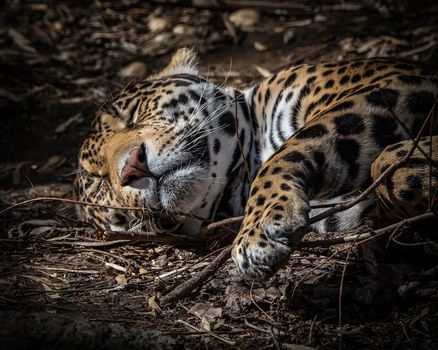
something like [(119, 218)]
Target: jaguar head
[(165, 147)]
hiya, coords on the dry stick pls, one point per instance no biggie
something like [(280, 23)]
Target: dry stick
[(220, 223), (185, 288), (277, 343), (378, 181), (418, 49), (110, 244), (217, 224), (251, 296), (324, 243), (66, 200), (206, 332), (391, 236)]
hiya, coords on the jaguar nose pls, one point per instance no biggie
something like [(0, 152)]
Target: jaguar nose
[(136, 167)]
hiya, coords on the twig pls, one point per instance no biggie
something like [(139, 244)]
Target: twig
[(251, 296), (182, 269), (309, 337), (324, 243), (214, 225), (85, 203), (341, 288), (418, 50), (206, 332), (255, 327), (66, 200), (277, 343), (185, 288)]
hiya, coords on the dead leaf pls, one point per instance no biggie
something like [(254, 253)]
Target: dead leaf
[(258, 293), (288, 36), (246, 19), (44, 283), (157, 24), (297, 347), (135, 69), (259, 46), (153, 305), (300, 23), (203, 310), (121, 279), (161, 261), (205, 324)]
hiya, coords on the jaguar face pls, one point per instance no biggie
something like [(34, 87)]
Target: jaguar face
[(162, 146)]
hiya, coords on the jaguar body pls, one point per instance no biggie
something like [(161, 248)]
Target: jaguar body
[(184, 151)]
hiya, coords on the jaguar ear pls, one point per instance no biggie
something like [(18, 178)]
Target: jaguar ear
[(184, 61)]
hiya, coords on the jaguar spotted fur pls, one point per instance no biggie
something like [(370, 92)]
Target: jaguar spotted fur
[(186, 151)]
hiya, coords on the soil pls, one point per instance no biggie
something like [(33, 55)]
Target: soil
[(60, 287)]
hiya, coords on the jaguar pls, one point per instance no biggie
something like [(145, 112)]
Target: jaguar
[(181, 151)]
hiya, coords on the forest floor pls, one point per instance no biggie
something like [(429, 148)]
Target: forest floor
[(60, 287)]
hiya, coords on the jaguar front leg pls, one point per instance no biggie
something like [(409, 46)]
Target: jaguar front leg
[(315, 163)]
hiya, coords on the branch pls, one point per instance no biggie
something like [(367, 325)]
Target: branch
[(324, 243), (216, 224), (185, 288)]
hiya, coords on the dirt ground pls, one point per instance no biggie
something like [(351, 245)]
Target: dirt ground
[(60, 287)]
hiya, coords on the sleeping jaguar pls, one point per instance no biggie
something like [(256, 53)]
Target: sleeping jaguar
[(184, 151)]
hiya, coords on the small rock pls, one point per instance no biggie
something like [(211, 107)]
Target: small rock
[(245, 19), (259, 46), (162, 38), (157, 24), (132, 70), (320, 18), (184, 29)]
